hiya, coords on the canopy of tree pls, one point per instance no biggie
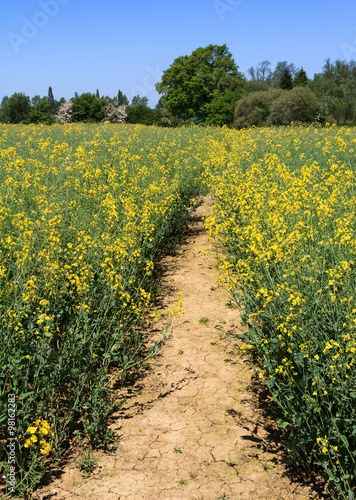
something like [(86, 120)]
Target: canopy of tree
[(192, 82)]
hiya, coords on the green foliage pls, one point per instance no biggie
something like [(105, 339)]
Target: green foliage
[(41, 113), (141, 113), (297, 105), (286, 80), (122, 100), (220, 111), (256, 86), (52, 102), (300, 79), (262, 72), (88, 108), (86, 463), (254, 108), (137, 99), (194, 81), (14, 109), (281, 66), (336, 88)]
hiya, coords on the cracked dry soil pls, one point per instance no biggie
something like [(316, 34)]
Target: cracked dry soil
[(192, 428)]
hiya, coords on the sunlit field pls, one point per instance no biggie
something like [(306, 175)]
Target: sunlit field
[(285, 213), (85, 211)]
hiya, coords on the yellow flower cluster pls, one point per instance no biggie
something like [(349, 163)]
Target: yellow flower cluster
[(38, 431), (83, 210)]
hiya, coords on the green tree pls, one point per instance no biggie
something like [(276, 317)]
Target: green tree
[(277, 73), (286, 80), (35, 100), (88, 107), (140, 113), (16, 108), (220, 111), (41, 113), (300, 79), (139, 100), (51, 100), (262, 72), (122, 100), (193, 81), (336, 88)]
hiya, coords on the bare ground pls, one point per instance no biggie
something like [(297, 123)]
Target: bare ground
[(194, 427)]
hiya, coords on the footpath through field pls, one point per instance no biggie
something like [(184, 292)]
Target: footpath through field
[(193, 428)]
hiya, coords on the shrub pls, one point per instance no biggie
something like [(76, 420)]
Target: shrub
[(113, 114), (139, 113), (297, 105), (64, 114), (254, 108)]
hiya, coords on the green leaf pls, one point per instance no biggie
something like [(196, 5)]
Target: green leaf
[(332, 475), (271, 382), (23, 396), (241, 336), (283, 424), (344, 440)]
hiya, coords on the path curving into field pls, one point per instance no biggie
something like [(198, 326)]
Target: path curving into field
[(192, 428)]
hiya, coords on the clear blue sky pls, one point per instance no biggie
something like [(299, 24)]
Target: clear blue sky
[(82, 45)]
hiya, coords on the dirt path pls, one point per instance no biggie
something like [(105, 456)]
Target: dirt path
[(192, 429)]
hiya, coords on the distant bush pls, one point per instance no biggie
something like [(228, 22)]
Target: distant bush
[(64, 114), (297, 105), (115, 115), (254, 108), (140, 113)]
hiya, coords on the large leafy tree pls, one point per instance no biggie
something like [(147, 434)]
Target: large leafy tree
[(192, 82), (16, 108)]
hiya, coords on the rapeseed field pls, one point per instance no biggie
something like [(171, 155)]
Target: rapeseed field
[(285, 214), (85, 211)]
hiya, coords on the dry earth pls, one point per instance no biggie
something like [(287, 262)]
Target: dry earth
[(194, 427)]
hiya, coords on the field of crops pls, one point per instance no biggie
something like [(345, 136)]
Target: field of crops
[(84, 212), (285, 212)]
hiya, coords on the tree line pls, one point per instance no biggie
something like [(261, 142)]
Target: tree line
[(206, 87), (86, 107)]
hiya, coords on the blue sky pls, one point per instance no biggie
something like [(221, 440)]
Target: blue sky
[(82, 45)]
